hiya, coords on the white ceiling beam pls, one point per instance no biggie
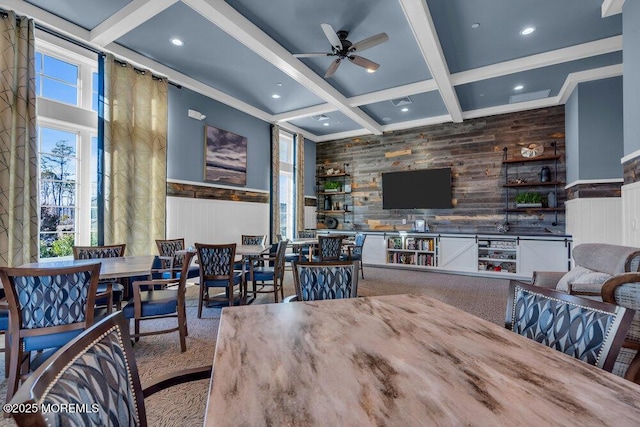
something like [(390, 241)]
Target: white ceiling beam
[(558, 56), (394, 92), (237, 26), (126, 19), (47, 19), (574, 79), (421, 23), (427, 121), (611, 7), (343, 135), (295, 129), (314, 110)]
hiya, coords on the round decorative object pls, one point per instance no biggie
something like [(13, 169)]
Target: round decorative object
[(503, 228), (533, 150), (331, 223)]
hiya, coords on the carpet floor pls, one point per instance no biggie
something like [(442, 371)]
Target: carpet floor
[(184, 405)]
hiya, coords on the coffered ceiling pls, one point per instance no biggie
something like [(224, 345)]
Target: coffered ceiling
[(445, 60)]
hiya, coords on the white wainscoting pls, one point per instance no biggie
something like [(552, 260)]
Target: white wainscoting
[(595, 220), (214, 221), (631, 214)]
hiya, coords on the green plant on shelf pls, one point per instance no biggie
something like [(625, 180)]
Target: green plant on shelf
[(528, 198), (332, 186)]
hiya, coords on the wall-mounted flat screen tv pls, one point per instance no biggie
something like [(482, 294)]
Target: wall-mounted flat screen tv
[(417, 189)]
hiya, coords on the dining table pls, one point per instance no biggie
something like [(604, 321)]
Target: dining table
[(111, 268), (400, 360), (299, 244)]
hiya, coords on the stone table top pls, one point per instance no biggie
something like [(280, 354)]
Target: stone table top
[(399, 360)]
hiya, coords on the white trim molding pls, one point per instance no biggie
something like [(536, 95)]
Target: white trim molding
[(630, 156), (611, 7), (593, 181)]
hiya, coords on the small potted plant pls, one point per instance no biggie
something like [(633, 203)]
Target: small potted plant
[(332, 186), (528, 200)]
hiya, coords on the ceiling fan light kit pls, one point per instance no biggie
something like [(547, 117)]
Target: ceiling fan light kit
[(343, 48)]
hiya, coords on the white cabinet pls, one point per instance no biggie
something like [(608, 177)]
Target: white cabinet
[(498, 254), (543, 255), (374, 251), (458, 253)]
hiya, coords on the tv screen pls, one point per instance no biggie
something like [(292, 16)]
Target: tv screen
[(417, 189)]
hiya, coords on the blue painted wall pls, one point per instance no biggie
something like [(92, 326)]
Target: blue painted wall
[(185, 144), (594, 130), (631, 85)]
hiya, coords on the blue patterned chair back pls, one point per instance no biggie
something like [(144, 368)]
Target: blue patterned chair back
[(359, 244), (216, 261), (330, 247), (306, 234), (325, 280), (96, 371), (254, 240), (588, 330), (168, 248), (624, 290), (96, 252), (49, 297)]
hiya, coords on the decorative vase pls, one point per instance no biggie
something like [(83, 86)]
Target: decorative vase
[(551, 200), (545, 174), (327, 203)]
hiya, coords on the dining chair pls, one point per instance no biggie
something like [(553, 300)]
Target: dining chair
[(624, 290), (97, 370), (329, 248), (153, 299), (216, 271), (249, 239), (591, 331), (298, 253), (111, 291), (354, 252), (168, 248), (325, 280), (47, 308), (269, 272), (4, 327)]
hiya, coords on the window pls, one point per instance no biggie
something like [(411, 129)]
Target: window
[(287, 185), (56, 79), (65, 82)]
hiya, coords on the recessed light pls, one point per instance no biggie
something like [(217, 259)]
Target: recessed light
[(404, 110), (386, 119), (278, 84), (519, 87), (325, 124), (527, 30), (475, 25), (275, 96), (177, 41), (370, 70)]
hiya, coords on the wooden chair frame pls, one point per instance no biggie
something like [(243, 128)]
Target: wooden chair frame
[(35, 389), (18, 358), (612, 342), (278, 272), (108, 293), (229, 278), (329, 258)]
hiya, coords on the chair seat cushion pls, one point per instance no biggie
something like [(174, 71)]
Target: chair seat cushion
[(154, 304), (237, 278), (4, 319), (49, 341), (588, 280), (354, 257), (262, 273), (295, 257)]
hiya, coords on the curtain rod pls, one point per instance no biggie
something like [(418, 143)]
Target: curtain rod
[(71, 40)]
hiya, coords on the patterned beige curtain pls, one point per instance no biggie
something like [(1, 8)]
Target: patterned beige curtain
[(135, 145), (299, 182), (275, 182), (18, 143)]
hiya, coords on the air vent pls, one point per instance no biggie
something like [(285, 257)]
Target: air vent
[(321, 117), (405, 100), (529, 96)]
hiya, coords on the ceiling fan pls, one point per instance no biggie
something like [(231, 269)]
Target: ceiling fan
[(344, 49)]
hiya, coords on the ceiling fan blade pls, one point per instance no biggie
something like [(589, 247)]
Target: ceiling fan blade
[(310, 55), (369, 42), (332, 68), (332, 36), (364, 62)]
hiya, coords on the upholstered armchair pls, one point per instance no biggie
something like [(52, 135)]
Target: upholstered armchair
[(594, 264)]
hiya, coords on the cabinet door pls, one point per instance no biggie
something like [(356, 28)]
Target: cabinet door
[(458, 253), (374, 250), (543, 255)]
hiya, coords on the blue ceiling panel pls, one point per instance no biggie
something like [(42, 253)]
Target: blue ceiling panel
[(558, 23), (213, 57), (336, 120), (423, 105), (296, 26), (84, 13), (496, 91)]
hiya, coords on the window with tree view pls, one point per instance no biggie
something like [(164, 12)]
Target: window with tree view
[(58, 191)]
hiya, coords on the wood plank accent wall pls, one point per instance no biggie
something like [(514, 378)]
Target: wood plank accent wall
[(205, 192), (631, 171), (594, 190), (474, 151)]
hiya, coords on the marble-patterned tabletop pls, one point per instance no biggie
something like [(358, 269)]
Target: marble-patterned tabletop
[(110, 268), (399, 360)]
